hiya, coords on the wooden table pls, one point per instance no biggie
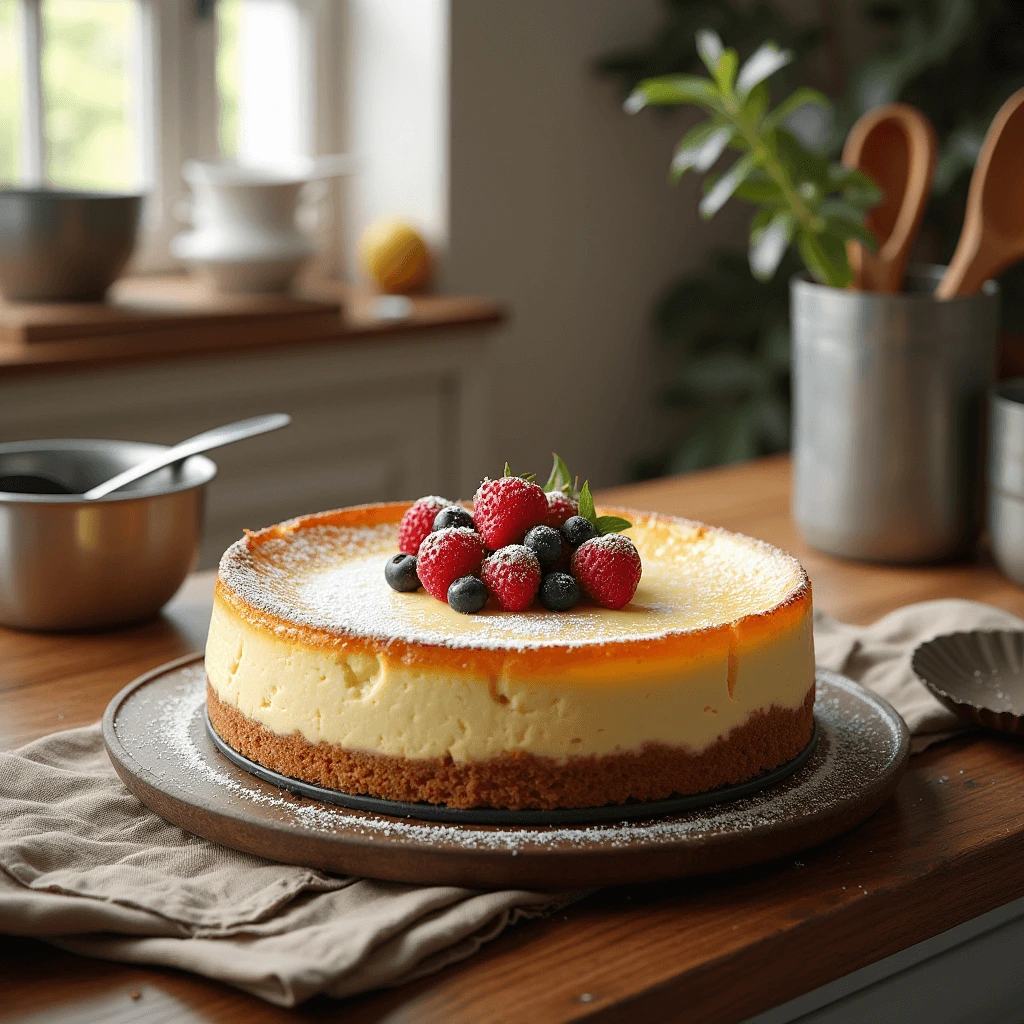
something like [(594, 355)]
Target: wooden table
[(711, 949)]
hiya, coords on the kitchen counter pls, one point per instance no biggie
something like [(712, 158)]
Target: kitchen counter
[(944, 851)]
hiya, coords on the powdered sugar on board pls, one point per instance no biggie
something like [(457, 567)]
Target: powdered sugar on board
[(161, 726), (331, 578)]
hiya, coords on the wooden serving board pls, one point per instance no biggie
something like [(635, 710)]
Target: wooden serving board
[(156, 736), (144, 310)]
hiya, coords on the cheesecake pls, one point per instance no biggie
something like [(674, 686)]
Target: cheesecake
[(320, 671)]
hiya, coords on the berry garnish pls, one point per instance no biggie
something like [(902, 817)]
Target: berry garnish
[(418, 521), (505, 509), (512, 575), (559, 592), (576, 530), (447, 555), (467, 595), (400, 572), (560, 508), (453, 515), (545, 543), (607, 569)]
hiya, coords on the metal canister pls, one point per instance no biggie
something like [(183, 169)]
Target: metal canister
[(888, 407), (1006, 477)]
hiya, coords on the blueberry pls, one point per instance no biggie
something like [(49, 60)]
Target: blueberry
[(545, 543), (559, 592), (453, 515), (467, 595), (576, 530), (400, 572)]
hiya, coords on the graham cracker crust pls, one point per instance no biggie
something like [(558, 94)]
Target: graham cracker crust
[(519, 781)]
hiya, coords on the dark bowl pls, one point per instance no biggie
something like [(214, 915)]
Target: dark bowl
[(979, 675), (63, 245)]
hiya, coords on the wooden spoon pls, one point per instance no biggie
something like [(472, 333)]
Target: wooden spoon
[(896, 146), (993, 233)]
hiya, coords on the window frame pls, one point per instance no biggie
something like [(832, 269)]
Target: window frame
[(176, 111)]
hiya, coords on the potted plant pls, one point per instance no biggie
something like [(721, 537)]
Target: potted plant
[(886, 388)]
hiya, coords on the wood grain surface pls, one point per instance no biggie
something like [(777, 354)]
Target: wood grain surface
[(719, 948)]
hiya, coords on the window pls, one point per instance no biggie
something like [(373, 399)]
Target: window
[(115, 95)]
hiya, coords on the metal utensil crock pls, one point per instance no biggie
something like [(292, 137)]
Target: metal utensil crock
[(67, 563), (888, 399), (1006, 477)]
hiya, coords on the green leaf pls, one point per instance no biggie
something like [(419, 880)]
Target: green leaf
[(725, 74), (799, 98), (759, 188), (768, 244), (672, 91), (841, 209), (856, 186), (825, 258), (756, 103), (701, 146), (560, 478), (726, 185), (611, 524), (508, 470), (851, 231), (586, 504), (762, 64), (709, 48)]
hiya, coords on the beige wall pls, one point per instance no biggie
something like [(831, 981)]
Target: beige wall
[(559, 205)]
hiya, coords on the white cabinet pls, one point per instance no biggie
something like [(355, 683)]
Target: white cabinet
[(372, 421)]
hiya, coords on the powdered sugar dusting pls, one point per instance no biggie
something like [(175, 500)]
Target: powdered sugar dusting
[(161, 726), (331, 578)]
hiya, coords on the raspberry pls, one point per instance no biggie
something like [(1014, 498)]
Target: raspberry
[(560, 508), (447, 555), (505, 509), (512, 574), (418, 521), (607, 569)]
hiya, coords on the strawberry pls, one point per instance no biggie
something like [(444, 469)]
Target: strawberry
[(560, 508), (447, 555), (512, 574), (505, 509), (607, 569), (418, 521)]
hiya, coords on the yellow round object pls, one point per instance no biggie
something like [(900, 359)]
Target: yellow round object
[(395, 257)]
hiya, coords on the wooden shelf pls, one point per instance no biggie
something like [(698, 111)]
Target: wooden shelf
[(163, 318)]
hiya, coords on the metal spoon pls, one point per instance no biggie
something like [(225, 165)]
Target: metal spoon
[(895, 145), (993, 233), (204, 442)]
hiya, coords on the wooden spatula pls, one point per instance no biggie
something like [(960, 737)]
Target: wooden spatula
[(993, 233), (896, 146)]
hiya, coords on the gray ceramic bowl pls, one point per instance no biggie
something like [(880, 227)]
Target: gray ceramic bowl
[(979, 675), (67, 563), (64, 246)]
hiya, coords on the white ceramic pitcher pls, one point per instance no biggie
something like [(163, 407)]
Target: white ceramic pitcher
[(244, 232)]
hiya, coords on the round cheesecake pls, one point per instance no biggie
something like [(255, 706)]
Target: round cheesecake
[(318, 670)]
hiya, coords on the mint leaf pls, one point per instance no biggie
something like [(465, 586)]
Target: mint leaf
[(611, 524), (560, 479), (586, 505)]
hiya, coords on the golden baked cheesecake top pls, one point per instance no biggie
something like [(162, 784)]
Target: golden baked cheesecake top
[(319, 578)]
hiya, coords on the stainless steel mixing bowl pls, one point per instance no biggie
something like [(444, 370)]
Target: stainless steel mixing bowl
[(62, 246), (67, 563)]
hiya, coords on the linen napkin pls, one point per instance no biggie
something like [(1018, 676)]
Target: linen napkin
[(878, 657), (85, 866)]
